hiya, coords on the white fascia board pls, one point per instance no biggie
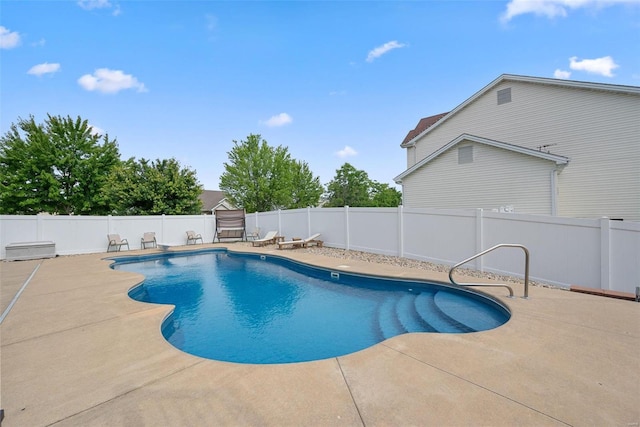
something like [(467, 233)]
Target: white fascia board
[(631, 90), (607, 87), (558, 160)]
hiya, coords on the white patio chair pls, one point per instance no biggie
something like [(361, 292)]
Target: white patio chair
[(192, 237), (116, 242), (149, 238)]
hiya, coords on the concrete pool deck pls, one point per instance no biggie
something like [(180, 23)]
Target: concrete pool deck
[(75, 350)]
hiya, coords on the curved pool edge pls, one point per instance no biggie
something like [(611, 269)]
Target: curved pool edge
[(285, 255), (318, 263)]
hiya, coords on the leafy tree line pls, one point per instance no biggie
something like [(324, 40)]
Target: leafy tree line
[(62, 167), (262, 178)]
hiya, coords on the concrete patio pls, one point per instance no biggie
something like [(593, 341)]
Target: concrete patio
[(76, 350)]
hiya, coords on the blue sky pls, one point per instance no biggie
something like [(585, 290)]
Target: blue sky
[(334, 82)]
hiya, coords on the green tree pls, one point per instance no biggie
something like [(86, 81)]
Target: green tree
[(153, 188), (385, 196), (306, 189), (58, 167), (262, 178), (352, 187)]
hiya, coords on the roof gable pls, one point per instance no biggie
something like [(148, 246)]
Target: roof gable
[(211, 199), (423, 125), (413, 136), (559, 160)]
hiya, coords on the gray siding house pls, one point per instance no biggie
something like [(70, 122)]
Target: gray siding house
[(213, 200), (530, 145)]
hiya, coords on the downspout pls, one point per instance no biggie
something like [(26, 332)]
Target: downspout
[(554, 192)]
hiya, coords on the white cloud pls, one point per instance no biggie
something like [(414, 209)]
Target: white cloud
[(602, 66), (110, 81), (94, 4), (381, 50), (553, 8), (100, 4), (39, 43), (46, 68), (278, 120), (561, 74), (346, 152), (8, 39)]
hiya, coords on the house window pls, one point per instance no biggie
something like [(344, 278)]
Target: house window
[(504, 96), (465, 154)]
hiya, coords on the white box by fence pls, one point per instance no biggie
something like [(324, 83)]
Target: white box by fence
[(30, 250)]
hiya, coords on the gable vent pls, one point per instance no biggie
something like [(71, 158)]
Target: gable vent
[(465, 154), (504, 96)]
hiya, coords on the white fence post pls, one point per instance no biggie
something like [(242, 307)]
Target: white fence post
[(279, 222), (2, 243), (605, 254), (39, 219), (479, 239), (400, 231), (162, 239), (346, 227), (308, 220)]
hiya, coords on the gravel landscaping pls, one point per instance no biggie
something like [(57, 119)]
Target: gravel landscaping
[(409, 263)]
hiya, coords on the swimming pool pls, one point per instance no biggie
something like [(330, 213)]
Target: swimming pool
[(251, 308)]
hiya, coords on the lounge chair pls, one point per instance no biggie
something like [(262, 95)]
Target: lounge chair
[(269, 238), (254, 235), (192, 237), (116, 242), (302, 243), (149, 238)]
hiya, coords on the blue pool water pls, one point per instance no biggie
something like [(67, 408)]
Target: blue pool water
[(248, 308)]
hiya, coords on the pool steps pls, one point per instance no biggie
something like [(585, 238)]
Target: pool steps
[(428, 309), (409, 316), (427, 312), (388, 323)]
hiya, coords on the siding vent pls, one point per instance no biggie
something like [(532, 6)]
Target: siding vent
[(465, 154), (504, 96)]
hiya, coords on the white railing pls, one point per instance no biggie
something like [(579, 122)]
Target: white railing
[(596, 253)]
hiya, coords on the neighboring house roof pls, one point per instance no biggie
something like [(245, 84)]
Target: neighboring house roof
[(416, 134), (423, 125), (559, 160), (212, 199)]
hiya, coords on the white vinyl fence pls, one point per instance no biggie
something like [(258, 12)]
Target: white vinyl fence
[(595, 253)]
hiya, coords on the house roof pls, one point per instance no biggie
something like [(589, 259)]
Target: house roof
[(210, 199), (416, 134), (559, 160), (423, 124)]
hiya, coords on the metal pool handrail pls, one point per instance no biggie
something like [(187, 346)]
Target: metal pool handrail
[(501, 245)]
